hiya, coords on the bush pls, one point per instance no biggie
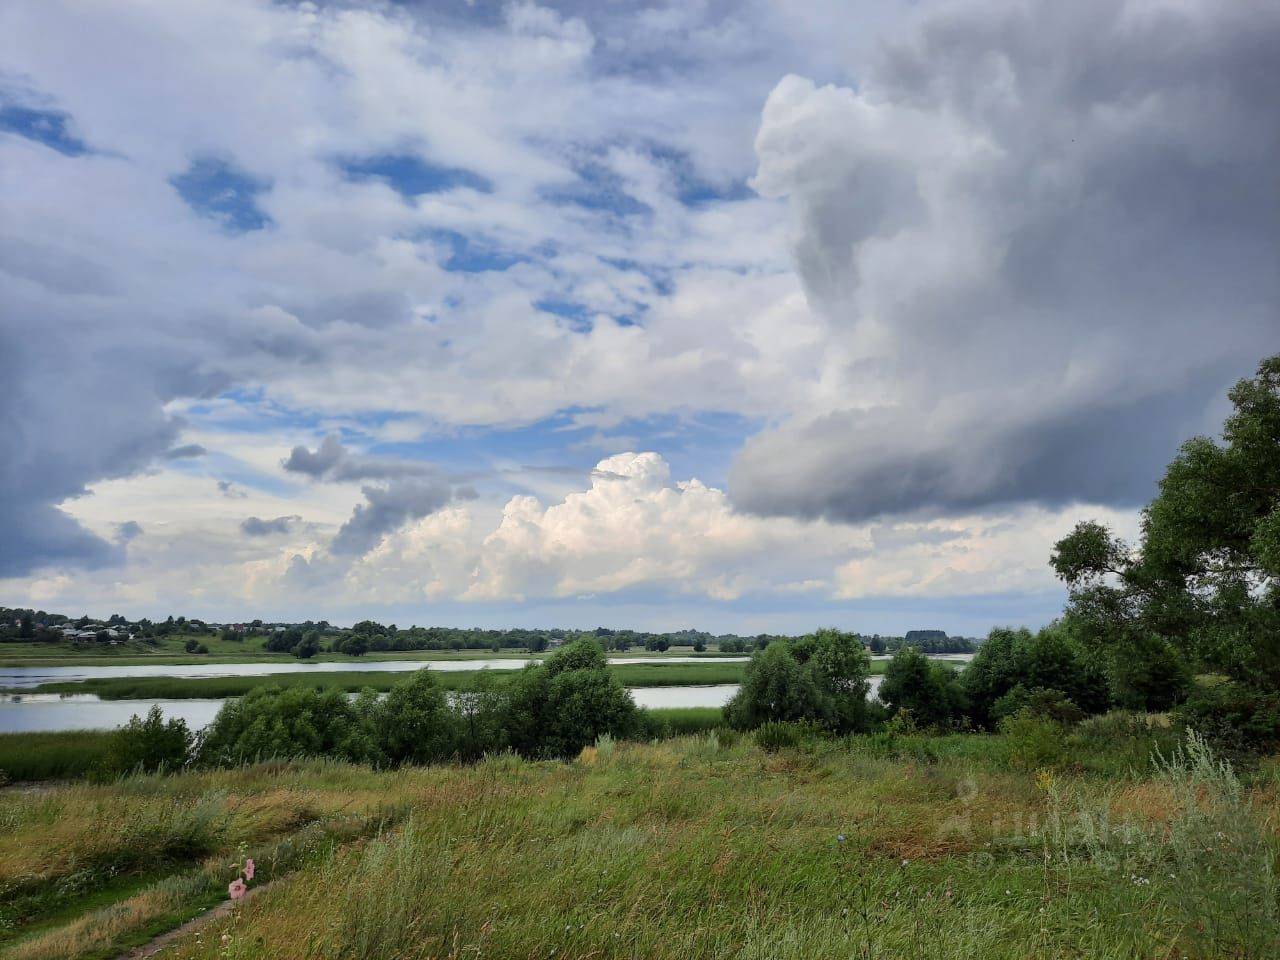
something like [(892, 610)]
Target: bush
[(775, 736), (270, 722), (1235, 719), (415, 724), (1048, 660), (820, 678), (1033, 741), (1039, 702), (557, 708), (928, 690), (148, 745)]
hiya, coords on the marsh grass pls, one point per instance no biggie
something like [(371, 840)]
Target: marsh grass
[(51, 756), (187, 688)]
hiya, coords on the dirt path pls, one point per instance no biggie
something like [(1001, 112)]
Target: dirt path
[(155, 946)]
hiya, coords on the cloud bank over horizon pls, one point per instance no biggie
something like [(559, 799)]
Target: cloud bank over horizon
[(665, 313)]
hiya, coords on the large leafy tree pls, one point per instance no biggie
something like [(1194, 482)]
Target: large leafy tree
[(821, 678), (1203, 587)]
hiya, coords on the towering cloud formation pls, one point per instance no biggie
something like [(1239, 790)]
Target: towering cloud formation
[(1046, 237)]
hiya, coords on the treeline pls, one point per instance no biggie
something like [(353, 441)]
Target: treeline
[(312, 637)]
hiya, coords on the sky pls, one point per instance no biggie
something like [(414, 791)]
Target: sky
[(746, 316)]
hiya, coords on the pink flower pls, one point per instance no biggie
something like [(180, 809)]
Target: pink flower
[(248, 869), (236, 888)]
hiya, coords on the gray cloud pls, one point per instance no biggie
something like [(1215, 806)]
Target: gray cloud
[(257, 527), (388, 508), (228, 489), (128, 531), (1045, 237), (185, 452), (333, 461)]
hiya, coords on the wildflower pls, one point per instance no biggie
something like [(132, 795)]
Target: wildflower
[(226, 938), (248, 869), (236, 888), (905, 862)]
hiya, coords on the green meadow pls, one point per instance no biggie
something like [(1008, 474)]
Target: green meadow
[(892, 846)]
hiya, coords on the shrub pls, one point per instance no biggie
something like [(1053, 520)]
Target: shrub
[(148, 744), (1033, 741), (557, 708), (270, 722), (775, 736), (930, 691), (1049, 659), (1039, 702), (820, 678), (1235, 719), (415, 724)]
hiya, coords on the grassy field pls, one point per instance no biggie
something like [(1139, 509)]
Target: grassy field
[(884, 847), (179, 688), (51, 756)]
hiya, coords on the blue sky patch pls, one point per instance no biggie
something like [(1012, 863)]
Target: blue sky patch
[(411, 176), (49, 127), (473, 256), (214, 188)]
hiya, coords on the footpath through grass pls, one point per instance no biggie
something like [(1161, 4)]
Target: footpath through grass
[(887, 847)]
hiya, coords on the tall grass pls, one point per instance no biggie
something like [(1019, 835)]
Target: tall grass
[(681, 721), (51, 756), (697, 847)]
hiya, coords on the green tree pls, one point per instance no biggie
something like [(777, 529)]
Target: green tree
[(416, 724), (148, 744), (1049, 659), (821, 678), (557, 708), (308, 646), (269, 722), (1202, 589), (929, 691)]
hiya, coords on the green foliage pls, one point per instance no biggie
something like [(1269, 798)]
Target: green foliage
[(820, 678), (271, 722), (415, 724), (1033, 741), (1204, 584), (1235, 718), (556, 708), (1048, 660), (308, 646), (148, 745), (776, 736), (52, 756), (929, 691), (1041, 702)]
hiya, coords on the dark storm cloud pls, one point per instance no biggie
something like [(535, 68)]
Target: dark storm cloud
[(257, 527), (75, 412), (1048, 234), (389, 508), (333, 461)]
